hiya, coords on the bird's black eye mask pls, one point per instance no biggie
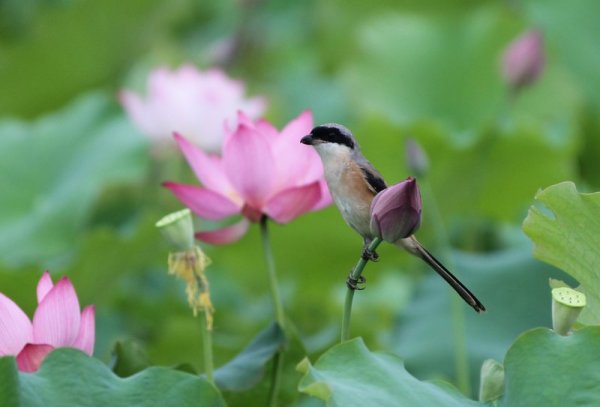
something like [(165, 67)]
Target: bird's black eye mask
[(332, 135)]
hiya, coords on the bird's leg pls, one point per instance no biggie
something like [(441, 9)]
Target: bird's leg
[(369, 254), (353, 283)]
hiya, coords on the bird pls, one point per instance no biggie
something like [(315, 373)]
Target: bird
[(353, 183)]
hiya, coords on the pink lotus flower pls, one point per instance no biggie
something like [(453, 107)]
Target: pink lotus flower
[(396, 211), (57, 323), (523, 60), (195, 103), (262, 172)]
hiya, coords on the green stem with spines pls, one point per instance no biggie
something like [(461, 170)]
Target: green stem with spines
[(355, 274), (207, 347), (279, 311)]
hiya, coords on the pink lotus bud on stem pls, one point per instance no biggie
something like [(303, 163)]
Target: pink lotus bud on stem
[(396, 211), (523, 60)]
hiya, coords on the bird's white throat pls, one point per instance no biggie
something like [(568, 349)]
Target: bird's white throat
[(334, 156)]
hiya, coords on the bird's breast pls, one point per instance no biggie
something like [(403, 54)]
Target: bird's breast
[(350, 194)]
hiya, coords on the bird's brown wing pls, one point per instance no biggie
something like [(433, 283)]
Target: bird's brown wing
[(374, 180)]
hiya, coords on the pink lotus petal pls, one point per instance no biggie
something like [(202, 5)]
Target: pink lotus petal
[(56, 320), (199, 104), (225, 235), (267, 129), (296, 164), (243, 119), (15, 327), (293, 202), (204, 202), (87, 330), (231, 125), (208, 169), (249, 165), (44, 286), (32, 356)]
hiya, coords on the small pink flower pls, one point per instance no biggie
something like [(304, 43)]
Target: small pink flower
[(57, 323), (523, 60), (396, 211), (191, 102), (262, 172)]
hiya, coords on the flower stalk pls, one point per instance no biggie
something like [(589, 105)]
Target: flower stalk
[(189, 263), (271, 272), (278, 307), (206, 326), (355, 275)]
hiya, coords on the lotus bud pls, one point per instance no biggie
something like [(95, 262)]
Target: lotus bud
[(523, 60), (417, 160), (396, 211), (566, 307)]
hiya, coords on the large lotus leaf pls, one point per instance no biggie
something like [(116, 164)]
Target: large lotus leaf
[(351, 375), (129, 358), (417, 64), (493, 176), (68, 377), (543, 368), (413, 66), (66, 47), (9, 382), (569, 237), (249, 374), (247, 368), (53, 169)]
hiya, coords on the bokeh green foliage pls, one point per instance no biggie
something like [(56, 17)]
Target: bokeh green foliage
[(79, 187)]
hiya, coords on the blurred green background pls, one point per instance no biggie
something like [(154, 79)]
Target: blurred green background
[(80, 190)]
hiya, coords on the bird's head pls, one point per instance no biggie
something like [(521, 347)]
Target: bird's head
[(331, 140)]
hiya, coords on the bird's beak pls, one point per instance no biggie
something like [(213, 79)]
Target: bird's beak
[(308, 140)]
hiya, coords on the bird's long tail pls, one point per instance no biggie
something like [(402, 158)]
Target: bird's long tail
[(412, 245)]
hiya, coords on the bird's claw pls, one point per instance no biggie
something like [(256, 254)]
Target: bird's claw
[(370, 255), (353, 283)]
